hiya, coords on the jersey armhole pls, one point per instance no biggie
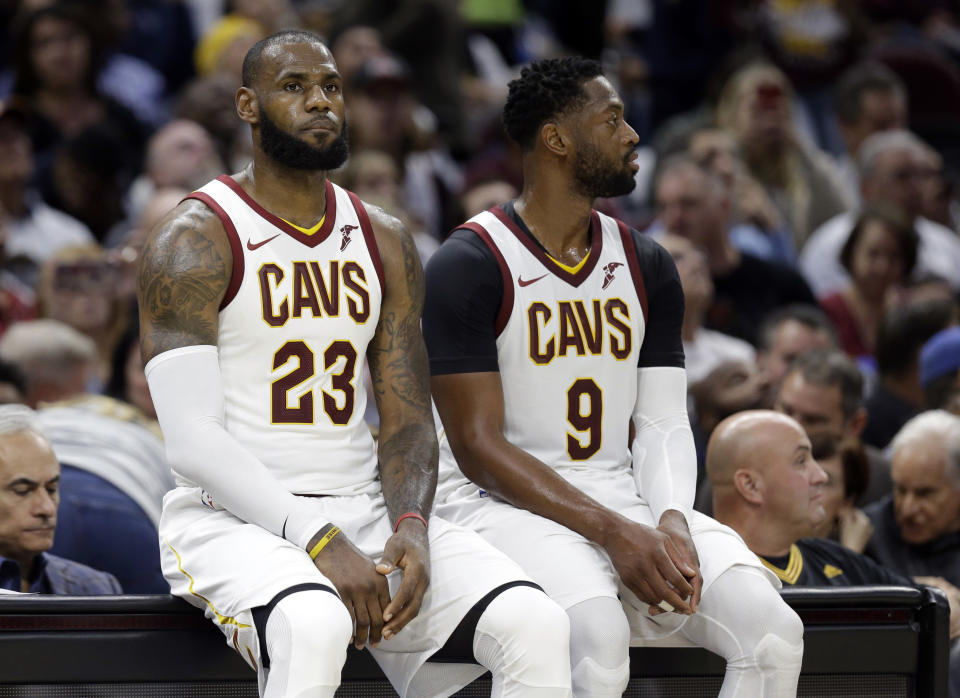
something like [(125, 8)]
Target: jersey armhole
[(506, 302), (236, 249), (371, 240), (633, 261)]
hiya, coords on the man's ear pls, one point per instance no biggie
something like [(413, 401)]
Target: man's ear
[(858, 422), (554, 138), (749, 485), (248, 108)]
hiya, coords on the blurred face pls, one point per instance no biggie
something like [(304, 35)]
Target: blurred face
[(684, 205), (875, 264), (895, 180), (355, 47), (793, 481), (82, 293), (925, 500), (604, 160), (833, 498), (693, 270), (376, 177), (29, 478), (817, 408), (16, 153), (487, 195), (716, 151), (790, 339), (60, 52), (182, 154), (763, 111), (735, 386), (880, 110)]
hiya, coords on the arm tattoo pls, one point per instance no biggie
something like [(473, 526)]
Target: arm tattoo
[(408, 469), (397, 356), (181, 274)]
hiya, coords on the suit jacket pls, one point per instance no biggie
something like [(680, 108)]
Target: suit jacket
[(73, 579)]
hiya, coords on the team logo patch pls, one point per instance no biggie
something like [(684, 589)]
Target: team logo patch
[(608, 272), (345, 232), (207, 500)]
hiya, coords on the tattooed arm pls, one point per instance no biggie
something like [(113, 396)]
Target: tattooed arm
[(184, 272), (408, 443)]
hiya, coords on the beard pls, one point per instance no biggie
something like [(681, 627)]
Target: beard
[(292, 152), (598, 177)]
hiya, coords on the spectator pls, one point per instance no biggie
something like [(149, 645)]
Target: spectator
[(34, 230), (823, 392), (691, 203), (78, 287), (868, 98), (754, 107), (785, 334), (114, 470), (917, 528), (758, 227), (769, 489), (485, 193), (897, 394), (703, 349), (848, 473), (879, 254), (940, 368), (54, 358), (56, 72), (13, 385), (30, 481), (890, 165), (208, 101)]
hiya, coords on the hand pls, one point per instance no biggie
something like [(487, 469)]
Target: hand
[(409, 550), (855, 528), (363, 591), (674, 524), (651, 565), (953, 598)]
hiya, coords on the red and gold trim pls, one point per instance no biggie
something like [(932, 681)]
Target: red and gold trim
[(236, 248)]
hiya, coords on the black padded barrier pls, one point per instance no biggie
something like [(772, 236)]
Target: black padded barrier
[(869, 642)]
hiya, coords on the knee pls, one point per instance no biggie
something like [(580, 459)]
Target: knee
[(782, 645), (317, 623)]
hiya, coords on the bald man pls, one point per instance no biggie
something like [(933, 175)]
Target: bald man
[(769, 489)]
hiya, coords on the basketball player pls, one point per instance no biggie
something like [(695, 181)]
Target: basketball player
[(261, 295), (550, 327)]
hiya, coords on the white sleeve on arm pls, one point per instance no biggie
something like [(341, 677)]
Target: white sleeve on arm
[(188, 396), (664, 456)]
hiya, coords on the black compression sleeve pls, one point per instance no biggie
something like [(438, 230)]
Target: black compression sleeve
[(464, 289), (662, 344)]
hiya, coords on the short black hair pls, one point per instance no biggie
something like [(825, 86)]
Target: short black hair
[(544, 90), (853, 459), (809, 316), (904, 330), (251, 62), (858, 80), (26, 80), (893, 219), (832, 368)]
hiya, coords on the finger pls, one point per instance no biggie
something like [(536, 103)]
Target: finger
[(697, 583), (681, 558), (363, 624), (353, 616), (408, 612), (408, 585), (392, 552), (673, 588), (376, 619)]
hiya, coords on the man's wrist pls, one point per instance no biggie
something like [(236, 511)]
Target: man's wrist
[(320, 539), (673, 517), (410, 516)]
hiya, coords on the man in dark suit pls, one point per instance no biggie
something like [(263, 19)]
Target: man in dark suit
[(29, 495)]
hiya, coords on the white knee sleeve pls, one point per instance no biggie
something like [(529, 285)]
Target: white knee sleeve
[(744, 620), (307, 637), (523, 638), (599, 648)]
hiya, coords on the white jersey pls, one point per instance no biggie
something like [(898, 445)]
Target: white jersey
[(293, 333), (567, 345)]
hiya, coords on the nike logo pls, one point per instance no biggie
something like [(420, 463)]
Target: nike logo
[(527, 282), (254, 245)]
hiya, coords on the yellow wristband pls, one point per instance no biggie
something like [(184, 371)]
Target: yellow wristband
[(322, 543)]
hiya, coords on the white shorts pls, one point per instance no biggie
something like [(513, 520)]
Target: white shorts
[(228, 567), (572, 569)]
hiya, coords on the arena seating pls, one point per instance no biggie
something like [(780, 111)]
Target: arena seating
[(869, 642)]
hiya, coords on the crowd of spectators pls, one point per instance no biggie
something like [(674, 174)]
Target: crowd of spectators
[(799, 161)]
